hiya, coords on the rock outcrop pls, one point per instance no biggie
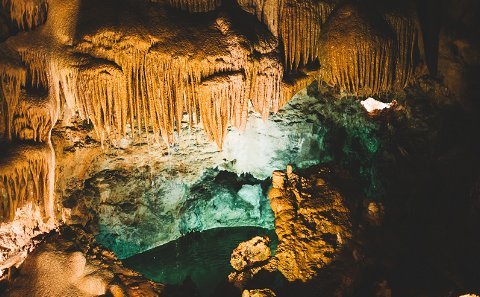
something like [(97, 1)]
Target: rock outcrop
[(258, 293), (251, 252), (70, 264), (311, 220), (250, 258)]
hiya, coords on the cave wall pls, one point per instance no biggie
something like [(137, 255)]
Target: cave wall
[(145, 72)]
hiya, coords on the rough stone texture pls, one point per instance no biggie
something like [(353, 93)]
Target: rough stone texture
[(367, 53), (72, 265), (258, 293), (127, 186), (241, 278), (311, 221), (250, 253)]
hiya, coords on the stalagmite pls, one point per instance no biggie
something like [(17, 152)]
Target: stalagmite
[(26, 175), (196, 5), (300, 27), (357, 52), (27, 14)]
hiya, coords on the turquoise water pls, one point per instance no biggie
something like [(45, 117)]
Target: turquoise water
[(202, 257)]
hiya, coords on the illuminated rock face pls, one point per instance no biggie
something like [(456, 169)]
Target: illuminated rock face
[(250, 252), (366, 53), (311, 221), (148, 196), (155, 70)]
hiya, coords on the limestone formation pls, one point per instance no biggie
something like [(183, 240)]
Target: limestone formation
[(311, 221), (258, 293), (27, 176), (34, 118), (59, 268), (367, 53), (251, 252), (27, 14), (298, 23), (196, 5), (120, 85), (300, 27)]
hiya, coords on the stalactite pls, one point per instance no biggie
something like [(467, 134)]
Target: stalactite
[(222, 101), (266, 74), (37, 63), (196, 5), (300, 27), (405, 28), (34, 118), (101, 93), (292, 84), (26, 175), (357, 52), (27, 14), (266, 11), (12, 78)]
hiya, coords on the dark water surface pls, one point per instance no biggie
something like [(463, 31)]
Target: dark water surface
[(204, 257)]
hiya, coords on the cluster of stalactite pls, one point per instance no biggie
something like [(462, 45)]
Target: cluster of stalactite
[(363, 54), (152, 90), (27, 14), (196, 5), (33, 118), (26, 177), (405, 28), (13, 77), (266, 11), (27, 164), (300, 28), (298, 23), (222, 101)]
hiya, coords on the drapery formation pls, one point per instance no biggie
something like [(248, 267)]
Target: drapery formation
[(298, 24), (26, 177), (300, 28), (196, 5), (27, 14), (367, 54)]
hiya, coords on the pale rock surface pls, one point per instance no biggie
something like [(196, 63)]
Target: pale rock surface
[(16, 236), (72, 264)]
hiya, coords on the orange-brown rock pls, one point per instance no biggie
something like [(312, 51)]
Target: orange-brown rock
[(365, 52), (258, 293), (250, 252), (249, 258), (311, 221)]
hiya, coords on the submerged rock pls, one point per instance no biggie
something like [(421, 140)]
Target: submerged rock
[(311, 221)]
